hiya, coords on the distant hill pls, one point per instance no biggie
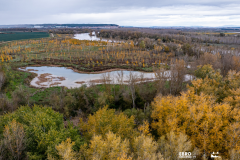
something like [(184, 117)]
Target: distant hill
[(60, 26)]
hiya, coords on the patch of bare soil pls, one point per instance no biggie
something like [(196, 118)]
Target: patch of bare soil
[(38, 65), (32, 70), (80, 82), (46, 77), (144, 79), (97, 72), (99, 81), (141, 80), (54, 84), (42, 78), (61, 78), (74, 120)]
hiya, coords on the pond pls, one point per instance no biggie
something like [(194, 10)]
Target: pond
[(86, 36), (62, 76)]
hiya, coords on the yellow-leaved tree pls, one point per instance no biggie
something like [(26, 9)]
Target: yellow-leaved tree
[(105, 120), (65, 150), (110, 147), (233, 81), (206, 122), (124, 157), (145, 148), (211, 82), (171, 144), (144, 128)]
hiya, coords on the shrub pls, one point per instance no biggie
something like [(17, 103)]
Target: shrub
[(44, 130)]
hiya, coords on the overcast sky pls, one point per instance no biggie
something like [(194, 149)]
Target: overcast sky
[(122, 12)]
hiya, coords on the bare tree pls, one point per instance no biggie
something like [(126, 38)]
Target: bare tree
[(21, 96), (57, 99), (177, 76), (227, 63), (234, 154), (161, 77), (2, 79), (119, 78), (132, 78), (214, 60), (232, 142), (141, 77), (14, 139), (2, 150), (106, 80), (6, 104)]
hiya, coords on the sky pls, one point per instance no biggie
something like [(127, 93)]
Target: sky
[(139, 13)]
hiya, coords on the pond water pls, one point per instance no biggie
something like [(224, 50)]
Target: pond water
[(86, 36), (62, 76)]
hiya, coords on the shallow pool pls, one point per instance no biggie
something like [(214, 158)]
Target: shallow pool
[(62, 76), (86, 36)]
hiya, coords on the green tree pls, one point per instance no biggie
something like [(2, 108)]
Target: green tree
[(142, 44), (44, 129)]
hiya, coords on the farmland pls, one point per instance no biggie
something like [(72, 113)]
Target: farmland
[(10, 36)]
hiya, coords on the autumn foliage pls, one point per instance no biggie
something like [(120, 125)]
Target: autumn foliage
[(133, 121)]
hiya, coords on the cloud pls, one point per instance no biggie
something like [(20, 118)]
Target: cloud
[(124, 12)]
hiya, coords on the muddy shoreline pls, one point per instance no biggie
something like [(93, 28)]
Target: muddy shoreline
[(46, 80), (79, 71)]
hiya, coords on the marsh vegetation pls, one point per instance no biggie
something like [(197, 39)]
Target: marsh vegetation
[(147, 109)]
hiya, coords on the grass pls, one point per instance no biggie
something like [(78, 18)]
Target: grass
[(43, 97), (16, 78)]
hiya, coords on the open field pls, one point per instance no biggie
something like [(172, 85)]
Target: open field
[(10, 36)]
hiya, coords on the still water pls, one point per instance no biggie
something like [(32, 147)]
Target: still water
[(86, 36), (62, 76), (68, 78)]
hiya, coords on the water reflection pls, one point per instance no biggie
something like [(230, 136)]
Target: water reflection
[(86, 36), (62, 76)]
